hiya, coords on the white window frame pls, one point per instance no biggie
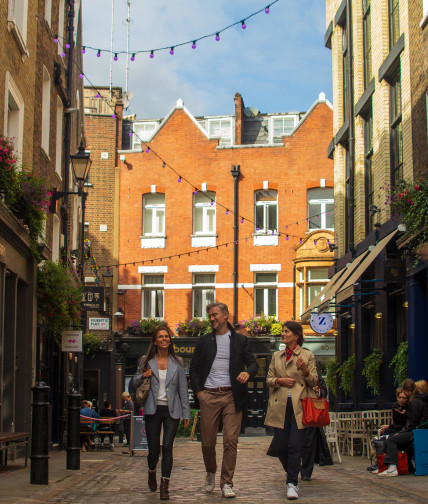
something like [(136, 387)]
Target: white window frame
[(265, 287), (61, 22), (224, 139), (205, 206), (141, 133), (48, 11), (153, 289), (305, 282), (323, 202), (155, 208), (59, 136), (272, 121), (56, 232), (13, 125), (17, 21), (46, 109), (265, 205), (206, 289)]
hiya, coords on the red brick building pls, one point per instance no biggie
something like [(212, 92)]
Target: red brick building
[(178, 244)]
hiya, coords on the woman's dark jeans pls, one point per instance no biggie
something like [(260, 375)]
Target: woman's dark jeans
[(289, 445), (153, 430)]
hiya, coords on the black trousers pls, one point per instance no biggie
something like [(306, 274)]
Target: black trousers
[(153, 430), (289, 445), (396, 443)]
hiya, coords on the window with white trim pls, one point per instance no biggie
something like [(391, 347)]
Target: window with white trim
[(266, 293), (143, 131), (18, 17), (311, 282), (266, 210), (48, 11), (320, 208), (282, 126), (203, 291), (46, 109), (14, 116), (61, 21), (154, 214), (204, 213), (221, 128), (59, 137), (152, 296)]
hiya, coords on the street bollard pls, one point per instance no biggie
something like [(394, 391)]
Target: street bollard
[(73, 431), (39, 473)]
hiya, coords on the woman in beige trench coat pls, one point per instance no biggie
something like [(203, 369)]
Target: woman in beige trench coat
[(292, 373)]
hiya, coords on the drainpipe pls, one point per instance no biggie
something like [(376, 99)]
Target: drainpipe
[(67, 132), (235, 174), (351, 139)]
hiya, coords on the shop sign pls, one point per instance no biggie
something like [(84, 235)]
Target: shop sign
[(184, 350), (93, 298), (71, 341), (99, 324)]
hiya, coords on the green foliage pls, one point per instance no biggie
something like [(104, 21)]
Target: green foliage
[(91, 343), (371, 369), (332, 370), (346, 374), (400, 363), (144, 327), (59, 298), (276, 329), (182, 432), (409, 199), (25, 194), (194, 327), (260, 324)]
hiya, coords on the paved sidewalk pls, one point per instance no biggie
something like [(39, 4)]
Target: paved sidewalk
[(109, 477)]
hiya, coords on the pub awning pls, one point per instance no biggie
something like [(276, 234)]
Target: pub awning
[(322, 301), (348, 288)]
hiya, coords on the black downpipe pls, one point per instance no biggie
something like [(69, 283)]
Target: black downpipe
[(294, 292), (67, 132), (235, 174), (351, 140)]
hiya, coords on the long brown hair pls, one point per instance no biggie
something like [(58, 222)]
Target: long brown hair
[(153, 348), (296, 328), (410, 386)]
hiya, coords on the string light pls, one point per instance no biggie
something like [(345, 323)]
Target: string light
[(56, 39), (99, 54), (84, 50), (131, 133), (300, 240), (80, 76), (133, 57), (242, 220), (148, 150), (179, 178), (195, 191), (217, 36), (315, 243), (63, 54), (171, 52), (97, 95), (227, 211), (244, 26), (152, 54), (163, 164), (115, 57), (212, 202), (267, 10), (286, 237)]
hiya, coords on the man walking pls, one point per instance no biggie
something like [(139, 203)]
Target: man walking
[(221, 366)]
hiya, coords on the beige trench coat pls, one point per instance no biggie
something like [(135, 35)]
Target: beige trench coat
[(278, 368)]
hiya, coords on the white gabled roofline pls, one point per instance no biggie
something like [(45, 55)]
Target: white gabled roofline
[(311, 108)]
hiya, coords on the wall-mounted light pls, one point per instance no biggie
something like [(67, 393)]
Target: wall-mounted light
[(405, 304), (351, 326), (119, 313), (70, 356), (379, 315)]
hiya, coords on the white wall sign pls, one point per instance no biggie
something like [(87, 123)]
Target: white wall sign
[(71, 341), (99, 324), (103, 227), (104, 155)]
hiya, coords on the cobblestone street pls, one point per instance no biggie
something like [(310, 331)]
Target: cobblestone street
[(110, 477)]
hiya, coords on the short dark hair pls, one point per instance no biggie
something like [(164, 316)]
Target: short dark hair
[(107, 404), (223, 307), (296, 328)]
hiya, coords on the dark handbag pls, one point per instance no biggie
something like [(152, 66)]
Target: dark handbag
[(272, 450), (315, 412), (143, 390)]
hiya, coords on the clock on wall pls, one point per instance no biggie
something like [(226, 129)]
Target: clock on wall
[(321, 323)]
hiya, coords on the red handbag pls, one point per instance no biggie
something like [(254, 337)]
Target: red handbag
[(315, 412), (402, 466)]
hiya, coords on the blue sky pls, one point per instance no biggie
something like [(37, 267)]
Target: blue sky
[(278, 64)]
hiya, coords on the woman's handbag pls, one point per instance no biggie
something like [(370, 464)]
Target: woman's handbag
[(315, 412), (143, 390)]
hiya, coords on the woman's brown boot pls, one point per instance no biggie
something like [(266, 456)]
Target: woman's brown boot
[(153, 485), (164, 493)]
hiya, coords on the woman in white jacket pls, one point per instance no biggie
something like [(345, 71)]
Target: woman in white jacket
[(166, 403)]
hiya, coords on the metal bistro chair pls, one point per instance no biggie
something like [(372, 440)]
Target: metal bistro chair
[(331, 435)]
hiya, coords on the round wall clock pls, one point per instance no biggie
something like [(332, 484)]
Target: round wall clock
[(321, 323)]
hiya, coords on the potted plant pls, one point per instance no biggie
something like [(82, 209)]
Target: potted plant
[(346, 374), (143, 327), (91, 344), (194, 327), (276, 329), (400, 363), (332, 370), (372, 364), (59, 299), (259, 324)]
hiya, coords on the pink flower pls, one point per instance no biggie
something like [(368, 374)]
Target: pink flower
[(405, 191), (417, 187)]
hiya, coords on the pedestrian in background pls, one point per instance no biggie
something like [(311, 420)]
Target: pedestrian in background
[(128, 408), (221, 366), (166, 403), (291, 374)]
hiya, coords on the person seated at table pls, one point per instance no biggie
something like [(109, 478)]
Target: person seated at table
[(85, 427), (403, 440), (107, 412), (399, 414)]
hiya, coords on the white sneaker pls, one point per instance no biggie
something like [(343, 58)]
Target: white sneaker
[(227, 491), (112, 445), (292, 491), (391, 471), (209, 482)]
